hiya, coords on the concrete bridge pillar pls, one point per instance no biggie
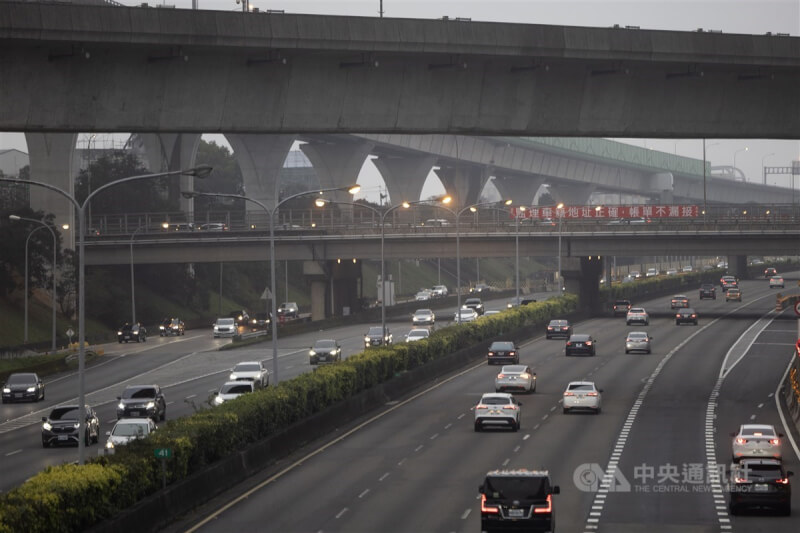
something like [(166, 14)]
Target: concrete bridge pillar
[(463, 183), (51, 160), (260, 158), (404, 176), (662, 184), (173, 151), (521, 189), (334, 286), (582, 277), (572, 194), (338, 165), (737, 266)]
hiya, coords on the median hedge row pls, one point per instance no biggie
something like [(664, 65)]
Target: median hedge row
[(73, 498), (657, 286)]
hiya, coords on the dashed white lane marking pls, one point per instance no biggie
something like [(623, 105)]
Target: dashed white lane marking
[(418, 448), (461, 416), (340, 513), (366, 491), (401, 461), (448, 426), (545, 417), (517, 448), (526, 437), (15, 452), (553, 408), (760, 405), (465, 514), (506, 462), (434, 436), (191, 396), (752, 417), (384, 476)]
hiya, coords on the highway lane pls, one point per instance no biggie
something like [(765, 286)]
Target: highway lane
[(189, 368), (418, 466)]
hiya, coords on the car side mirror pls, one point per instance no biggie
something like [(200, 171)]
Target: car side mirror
[(519, 403), (781, 435), (44, 419), (789, 473), (599, 390), (480, 488), (555, 490), (119, 397)]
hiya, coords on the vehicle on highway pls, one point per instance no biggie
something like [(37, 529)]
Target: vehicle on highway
[(687, 315), (250, 371), (635, 274), (288, 310), (762, 484), (240, 317), (171, 326), (515, 378), (480, 288), (497, 408), (558, 328), (214, 226), (423, 317), (518, 500), (261, 320), (580, 344), (61, 426), (726, 282), (672, 272), (637, 315), (474, 304), (621, 307), (22, 386), (708, 290), (418, 334), (582, 395), (423, 296), (522, 300), (231, 390), (503, 352), (225, 327), (132, 332), (142, 401), (638, 341), (651, 272), (769, 272), (128, 429), (325, 351), (687, 268), (491, 312), (678, 301), (756, 441), (734, 293), (439, 291), (776, 281), (377, 337), (465, 314)]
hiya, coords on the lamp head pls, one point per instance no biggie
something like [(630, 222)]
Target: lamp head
[(522, 208), (508, 202), (447, 199), (354, 189), (560, 205), (473, 209), (320, 202), (14, 217), (200, 172), (65, 227), (406, 205)]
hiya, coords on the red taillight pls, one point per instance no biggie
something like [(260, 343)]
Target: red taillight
[(784, 481), (694, 316), (569, 394), (481, 407), (774, 442), (511, 406), (588, 343), (500, 376), (740, 440), (550, 328), (524, 375), (488, 508), (678, 315), (742, 480), (569, 343), (591, 394), (546, 509)]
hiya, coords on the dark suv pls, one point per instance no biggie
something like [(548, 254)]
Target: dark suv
[(475, 304), (61, 426), (621, 307), (761, 483), (517, 500), (708, 290), (142, 401), (132, 332)]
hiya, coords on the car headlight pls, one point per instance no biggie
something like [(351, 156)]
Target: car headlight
[(46, 426), (76, 425), (312, 352), (30, 389), (232, 377), (216, 328), (366, 339), (6, 390), (161, 327), (218, 400), (119, 332), (109, 445), (151, 405), (121, 406)]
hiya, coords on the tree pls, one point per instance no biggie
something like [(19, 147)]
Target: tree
[(226, 178), (40, 250)]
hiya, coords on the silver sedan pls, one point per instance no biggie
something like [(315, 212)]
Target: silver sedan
[(515, 378), (756, 440), (582, 395), (638, 341)]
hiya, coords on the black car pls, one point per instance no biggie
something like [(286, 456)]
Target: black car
[(760, 483), (240, 317), (621, 307), (142, 401), (375, 337), (23, 386), (559, 328), (707, 290), (503, 352), (517, 500), (687, 315), (61, 426), (475, 304), (325, 351), (580, 344), (132, 332), (171, 326), (261, 320)]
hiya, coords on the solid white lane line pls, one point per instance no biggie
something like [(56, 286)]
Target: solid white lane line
[(15, 452)]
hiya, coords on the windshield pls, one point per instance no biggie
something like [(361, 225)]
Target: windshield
[(64, 413), (516, 488), (147, 392), (502, 346), (495, 400), (577, 387), (375, 331), (423, 312), (637, 335), (21, 379), (513, 369), (247, 367), (326, 344), (128, 429), (224, 321), (418, 333), (235, 388)]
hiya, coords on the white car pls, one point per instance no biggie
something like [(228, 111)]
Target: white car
[(497, 409), (515, 378), (582, 395), (250, 371), (688, 268), (651, 272), (417, 334), (224, 327), (465, 314), (128, 429), (756, 441), (231, 390), (423, 317), (439, 291), (423, 296), (638, 341), (637, 315), (776, 281)]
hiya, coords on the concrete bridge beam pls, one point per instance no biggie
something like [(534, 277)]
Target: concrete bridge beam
[(521, 189), (572, 194), (260, 158), (404, 176), (463, 183), (337, 165), (51, 157)]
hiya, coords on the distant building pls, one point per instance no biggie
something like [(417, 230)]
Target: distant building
[(13, 196), (11, 161)]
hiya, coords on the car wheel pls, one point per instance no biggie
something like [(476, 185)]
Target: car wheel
[(597, 411), (627, 351), (45, 444), (42, 398), (163, 415), (649, 352), (677, 323), (565, 410), (786, 510), (517, 425), (477, 427)]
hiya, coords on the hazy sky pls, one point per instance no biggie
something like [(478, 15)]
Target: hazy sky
[(728, 16)]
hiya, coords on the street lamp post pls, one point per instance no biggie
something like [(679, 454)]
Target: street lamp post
[(197, 172), (737, 153), (352, 189), (516, 251), (55, 246), (133, 290), (560, 215)]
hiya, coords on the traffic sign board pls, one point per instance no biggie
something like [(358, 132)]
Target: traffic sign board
[(797, 308), (163, 453)]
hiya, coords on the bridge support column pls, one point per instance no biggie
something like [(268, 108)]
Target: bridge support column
[(463, 183), (521, 189), (404, 176), (51, 162), (338, 165), (582, 276), (318, 293), (334, 286), (260, 158), (168, 152), (572, 194), (737, 266)]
